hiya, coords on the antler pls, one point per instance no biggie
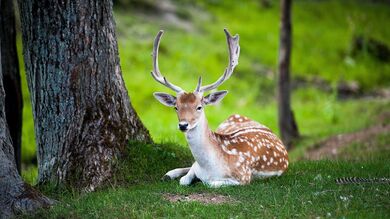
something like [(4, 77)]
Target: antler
[(156, 71), (234, 53)]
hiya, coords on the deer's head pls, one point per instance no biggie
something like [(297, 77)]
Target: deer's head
[(189, 105)]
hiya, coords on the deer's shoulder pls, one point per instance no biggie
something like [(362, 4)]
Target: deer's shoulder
[(237, 123)]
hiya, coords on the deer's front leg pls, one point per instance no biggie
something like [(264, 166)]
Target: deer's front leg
[(189, 177), (173, 174)]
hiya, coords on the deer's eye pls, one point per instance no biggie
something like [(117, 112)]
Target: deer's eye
[(199, 108), (175, 108)]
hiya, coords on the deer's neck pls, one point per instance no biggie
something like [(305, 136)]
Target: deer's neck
[(203, 144)]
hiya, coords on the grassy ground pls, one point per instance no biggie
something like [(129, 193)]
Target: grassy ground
[(307, 190)]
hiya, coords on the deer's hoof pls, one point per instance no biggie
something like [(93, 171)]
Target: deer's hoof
[(185, 181), (166, 178)]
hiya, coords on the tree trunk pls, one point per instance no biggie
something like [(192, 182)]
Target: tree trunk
[(287, 125), (15, 196), (11, 77), (82, 113)]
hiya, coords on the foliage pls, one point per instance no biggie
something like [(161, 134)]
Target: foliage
[(202, 51)]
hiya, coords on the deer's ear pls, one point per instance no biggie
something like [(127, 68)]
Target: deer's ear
[(166, 99), (215, 97)]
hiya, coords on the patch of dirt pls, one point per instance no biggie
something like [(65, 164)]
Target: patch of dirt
[(199, 197), (330, 147)]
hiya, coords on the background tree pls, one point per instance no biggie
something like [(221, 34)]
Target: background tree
[(11, 77), (15, 195), (287, 125), (82, 113)]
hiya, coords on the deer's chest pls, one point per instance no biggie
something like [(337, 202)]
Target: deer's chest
[(209, 162)]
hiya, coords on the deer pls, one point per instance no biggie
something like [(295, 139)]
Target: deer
[(240, 149)]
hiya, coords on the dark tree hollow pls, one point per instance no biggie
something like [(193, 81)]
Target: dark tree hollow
[(11, 77)]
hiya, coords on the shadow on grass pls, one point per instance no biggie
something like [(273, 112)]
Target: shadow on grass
[(145, 163)]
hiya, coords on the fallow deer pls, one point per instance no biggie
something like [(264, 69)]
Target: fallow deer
[(240, 149)]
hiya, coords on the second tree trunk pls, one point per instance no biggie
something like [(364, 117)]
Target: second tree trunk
[(287, 125)]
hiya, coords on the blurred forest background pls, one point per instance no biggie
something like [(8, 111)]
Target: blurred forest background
[(340, 64)]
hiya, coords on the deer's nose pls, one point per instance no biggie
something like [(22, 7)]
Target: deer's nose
[(183, 126)]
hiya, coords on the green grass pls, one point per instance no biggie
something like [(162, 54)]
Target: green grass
[(306, 190), (148, 163)]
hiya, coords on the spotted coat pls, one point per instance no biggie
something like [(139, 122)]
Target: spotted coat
[(250, 149)]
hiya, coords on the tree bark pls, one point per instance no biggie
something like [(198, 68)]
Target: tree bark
[(16, 197), (287, 125), (82, 113), (11, 77)]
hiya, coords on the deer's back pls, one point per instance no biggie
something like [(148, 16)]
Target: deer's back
[(237, 123)]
